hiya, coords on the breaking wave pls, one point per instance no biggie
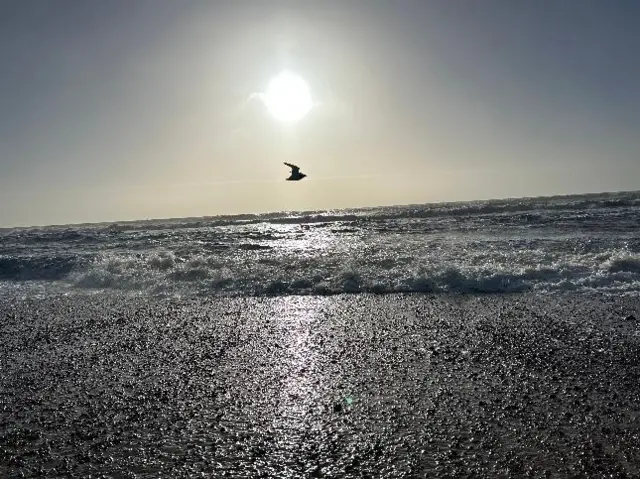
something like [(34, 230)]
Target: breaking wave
[(508, 246), (164, 273)]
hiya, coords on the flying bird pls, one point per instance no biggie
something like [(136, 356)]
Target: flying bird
[(295, 172)]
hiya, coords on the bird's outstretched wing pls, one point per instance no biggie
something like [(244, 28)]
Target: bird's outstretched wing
[(294, 169)]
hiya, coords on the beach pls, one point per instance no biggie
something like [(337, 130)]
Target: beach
[(401, 385), (297, 239)]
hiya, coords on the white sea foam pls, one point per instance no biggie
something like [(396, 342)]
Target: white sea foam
[(568, 243)]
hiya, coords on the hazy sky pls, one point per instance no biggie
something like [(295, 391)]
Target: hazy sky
[(120, 109)]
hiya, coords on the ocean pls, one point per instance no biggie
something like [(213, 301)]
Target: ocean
[(480, 339), (564, 243)]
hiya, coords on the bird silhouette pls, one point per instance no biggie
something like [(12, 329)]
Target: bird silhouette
[(295, 172)]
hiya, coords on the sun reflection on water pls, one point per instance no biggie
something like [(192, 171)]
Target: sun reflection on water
[(304, 384)]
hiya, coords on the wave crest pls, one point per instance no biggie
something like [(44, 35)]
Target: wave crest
[(165, 272)]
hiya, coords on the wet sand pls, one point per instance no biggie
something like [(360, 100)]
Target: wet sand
[(343, 386)]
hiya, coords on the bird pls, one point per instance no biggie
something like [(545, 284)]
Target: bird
[(295, 172)]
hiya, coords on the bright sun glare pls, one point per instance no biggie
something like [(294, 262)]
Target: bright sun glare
[(287, 97)]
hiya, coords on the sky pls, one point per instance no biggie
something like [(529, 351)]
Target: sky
[(121, 110)]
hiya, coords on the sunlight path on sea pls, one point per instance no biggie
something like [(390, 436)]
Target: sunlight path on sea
[(305, 386)]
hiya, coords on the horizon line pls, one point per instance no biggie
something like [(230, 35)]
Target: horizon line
[(283, 212)]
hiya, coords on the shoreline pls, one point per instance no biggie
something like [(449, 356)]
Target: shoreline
[(396, 385)]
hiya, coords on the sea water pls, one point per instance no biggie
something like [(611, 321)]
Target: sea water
[(578, 243)]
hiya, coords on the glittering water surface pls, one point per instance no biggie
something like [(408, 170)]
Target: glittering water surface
[(588, 242), (351, 386)]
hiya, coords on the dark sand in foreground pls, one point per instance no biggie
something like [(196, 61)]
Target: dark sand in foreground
[(348, 386)]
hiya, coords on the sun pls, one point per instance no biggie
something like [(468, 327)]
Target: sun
[(287, 97)]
